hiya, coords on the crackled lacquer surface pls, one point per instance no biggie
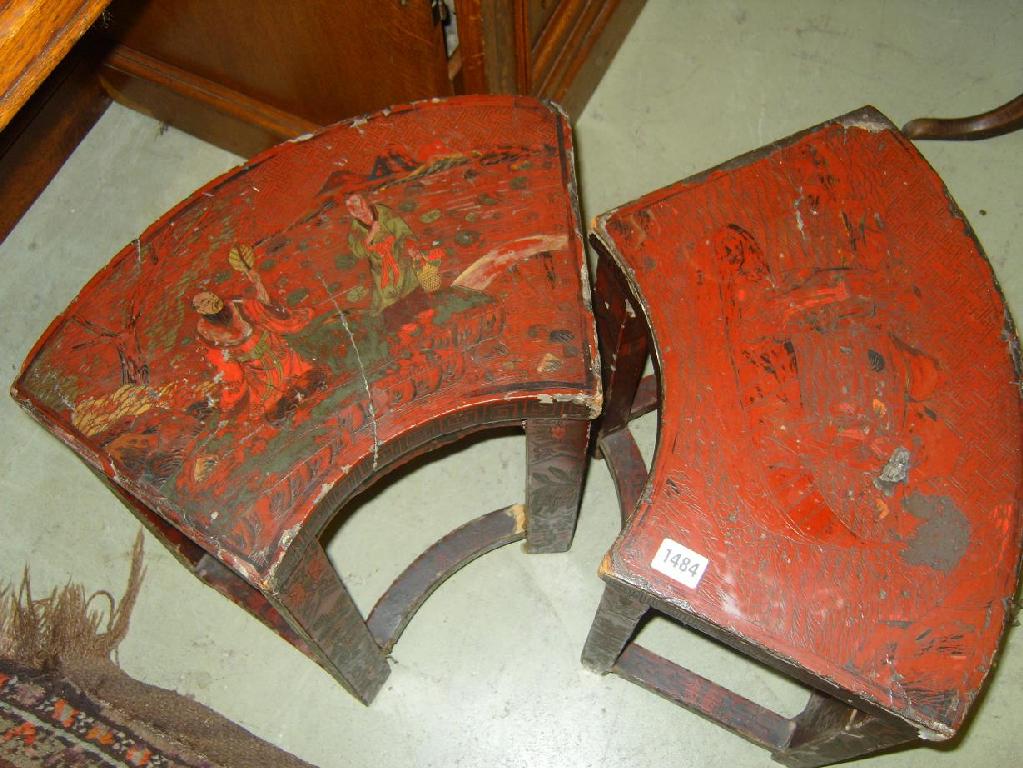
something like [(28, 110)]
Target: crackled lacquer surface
[(297, 316), (840, 427)]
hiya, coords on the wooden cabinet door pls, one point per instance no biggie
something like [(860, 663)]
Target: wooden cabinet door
[(245, 74), (315, 60)]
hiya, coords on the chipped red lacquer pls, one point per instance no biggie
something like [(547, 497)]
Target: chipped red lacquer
[(840, 423), (340, 346)]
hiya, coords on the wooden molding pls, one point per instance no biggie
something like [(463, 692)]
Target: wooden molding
[(218, 97), (560, 56), (577, 76), (559, 37)]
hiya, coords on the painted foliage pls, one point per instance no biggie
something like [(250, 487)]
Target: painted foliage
[(283, 323), (840, 435)]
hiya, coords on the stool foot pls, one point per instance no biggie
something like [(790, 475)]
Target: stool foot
[(613, 627), (555, 465), (828, 731), (317, 604)]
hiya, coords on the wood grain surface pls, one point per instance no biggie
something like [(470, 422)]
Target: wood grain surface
[(46, 130), (553, 49), (318, 60), (34, 36)]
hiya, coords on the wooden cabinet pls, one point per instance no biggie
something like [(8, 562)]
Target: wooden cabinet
[(49, 95), (245, 74)]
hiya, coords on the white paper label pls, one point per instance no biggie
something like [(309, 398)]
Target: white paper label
[(679, 563)]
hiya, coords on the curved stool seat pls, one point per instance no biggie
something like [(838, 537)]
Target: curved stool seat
[(311, 319), (836, 485)]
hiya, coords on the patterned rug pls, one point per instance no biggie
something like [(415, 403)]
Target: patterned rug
[(46, 721), (64, 703)]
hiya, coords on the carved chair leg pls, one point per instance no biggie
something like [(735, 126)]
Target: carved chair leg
[(612, 628), (1003, 119), (556, 457), (828, 731), (315, 601), (622, 335)]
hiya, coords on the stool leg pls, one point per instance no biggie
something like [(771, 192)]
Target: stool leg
[(622, 336), (612, 628), (829, 731), (556, 457), (317, 604)]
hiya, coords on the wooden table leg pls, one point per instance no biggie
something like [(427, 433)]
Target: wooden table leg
[(556, 456), (613, 627), (828, 731), (622, 336), (315, 601)]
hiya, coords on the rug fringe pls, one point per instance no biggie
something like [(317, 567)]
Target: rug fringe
[(65, 626)]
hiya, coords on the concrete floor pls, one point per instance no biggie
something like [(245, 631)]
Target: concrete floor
[(488, 672)]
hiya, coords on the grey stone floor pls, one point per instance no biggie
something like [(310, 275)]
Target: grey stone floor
[(488, 672)]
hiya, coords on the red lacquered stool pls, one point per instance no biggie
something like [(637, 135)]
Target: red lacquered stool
[(836, 485), (310, 320)]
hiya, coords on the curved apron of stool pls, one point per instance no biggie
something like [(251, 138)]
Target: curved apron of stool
[(443, 559), (627, 468)]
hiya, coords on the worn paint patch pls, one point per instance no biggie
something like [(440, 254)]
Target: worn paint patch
[(941, 541), (518, 511), (895, 471)]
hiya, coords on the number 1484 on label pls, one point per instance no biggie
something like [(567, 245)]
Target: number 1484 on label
[(680, 563)]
